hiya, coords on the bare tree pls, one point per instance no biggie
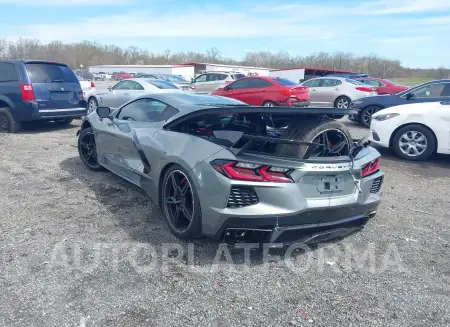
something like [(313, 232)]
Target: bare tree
[(88, 53)]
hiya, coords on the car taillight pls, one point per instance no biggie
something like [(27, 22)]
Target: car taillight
[(26, 91), (371, 168), (92, 84), (252, 172), (364, 89), (288, 92)]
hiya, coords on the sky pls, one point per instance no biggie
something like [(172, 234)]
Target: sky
[(417, 32)]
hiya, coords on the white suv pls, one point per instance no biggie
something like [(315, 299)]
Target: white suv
[(210, 81)]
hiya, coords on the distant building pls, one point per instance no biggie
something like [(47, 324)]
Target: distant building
[(200, 67)]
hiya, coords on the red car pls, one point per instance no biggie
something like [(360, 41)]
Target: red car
[(121, 76), (266, 91), (383, 86)]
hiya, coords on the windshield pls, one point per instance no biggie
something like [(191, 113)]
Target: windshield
[(355, 82), (50, 73), (161, 84), (284, 81), (175, 79)]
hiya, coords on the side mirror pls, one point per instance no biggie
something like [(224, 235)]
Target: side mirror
[(109, 88), (409, 96), (104, 112)]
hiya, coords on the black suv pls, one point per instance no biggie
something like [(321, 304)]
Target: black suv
[(38, 90)]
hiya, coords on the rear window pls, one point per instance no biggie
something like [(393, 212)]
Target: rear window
[(355, 82), (161, 84), (284, 81), (392, 82), (50, 73), (238, 76)]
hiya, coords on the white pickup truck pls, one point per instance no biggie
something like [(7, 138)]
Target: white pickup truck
[(101, 76)]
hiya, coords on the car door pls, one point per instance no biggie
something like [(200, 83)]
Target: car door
[(124, 152), (238, 90), (214, 81), (329, 91), (259, 91), (314, 91), (199, 83), (433, 92), (116, 95)]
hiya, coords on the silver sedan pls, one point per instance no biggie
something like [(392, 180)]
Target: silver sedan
[(336, 92), (127, 90)]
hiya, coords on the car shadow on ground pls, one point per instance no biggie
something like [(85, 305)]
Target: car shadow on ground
[(36, 127), (142, 221)]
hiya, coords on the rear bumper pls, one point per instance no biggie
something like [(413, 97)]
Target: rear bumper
[(305, 227), (30, 111), (294, 103)]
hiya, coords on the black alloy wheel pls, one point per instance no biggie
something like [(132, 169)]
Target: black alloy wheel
[(334, 142), (88, 149), (178, 201)]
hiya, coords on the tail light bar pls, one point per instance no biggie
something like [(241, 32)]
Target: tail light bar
[(364, 89), (26, 92), (371, 168), (252, 172), (92, 84)]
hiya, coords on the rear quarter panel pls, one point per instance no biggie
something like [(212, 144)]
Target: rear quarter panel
[(188, 151)]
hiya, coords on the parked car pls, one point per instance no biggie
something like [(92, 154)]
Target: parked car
[(101, 76), (175, 79), (84, 74), (126, 90), (383, 86), (32, 90), (414, 131), (209, 164), (210, 81), (337, 92), (266, 91), (87, 86), (434, 91), (120, 76)]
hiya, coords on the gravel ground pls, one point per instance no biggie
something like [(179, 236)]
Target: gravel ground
[(79, 248)]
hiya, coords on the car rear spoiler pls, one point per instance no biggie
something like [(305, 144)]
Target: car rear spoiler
[(243, 109)]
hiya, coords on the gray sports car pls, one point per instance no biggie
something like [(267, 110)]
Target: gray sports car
[(229, 171)]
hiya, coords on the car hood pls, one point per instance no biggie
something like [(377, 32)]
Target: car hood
[(413, 108), (384, 100)]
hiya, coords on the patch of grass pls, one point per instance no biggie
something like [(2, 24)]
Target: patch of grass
[(411, 81)]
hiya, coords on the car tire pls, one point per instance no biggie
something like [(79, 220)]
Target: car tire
[(92, 105), (191, 202), (91, 164), (366, 115), (402, 135), (308, 130), (64, 122), (269, 104), (343, 102), (7, 122)]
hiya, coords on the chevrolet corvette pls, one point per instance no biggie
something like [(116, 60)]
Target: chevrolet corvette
[(221, 169)]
